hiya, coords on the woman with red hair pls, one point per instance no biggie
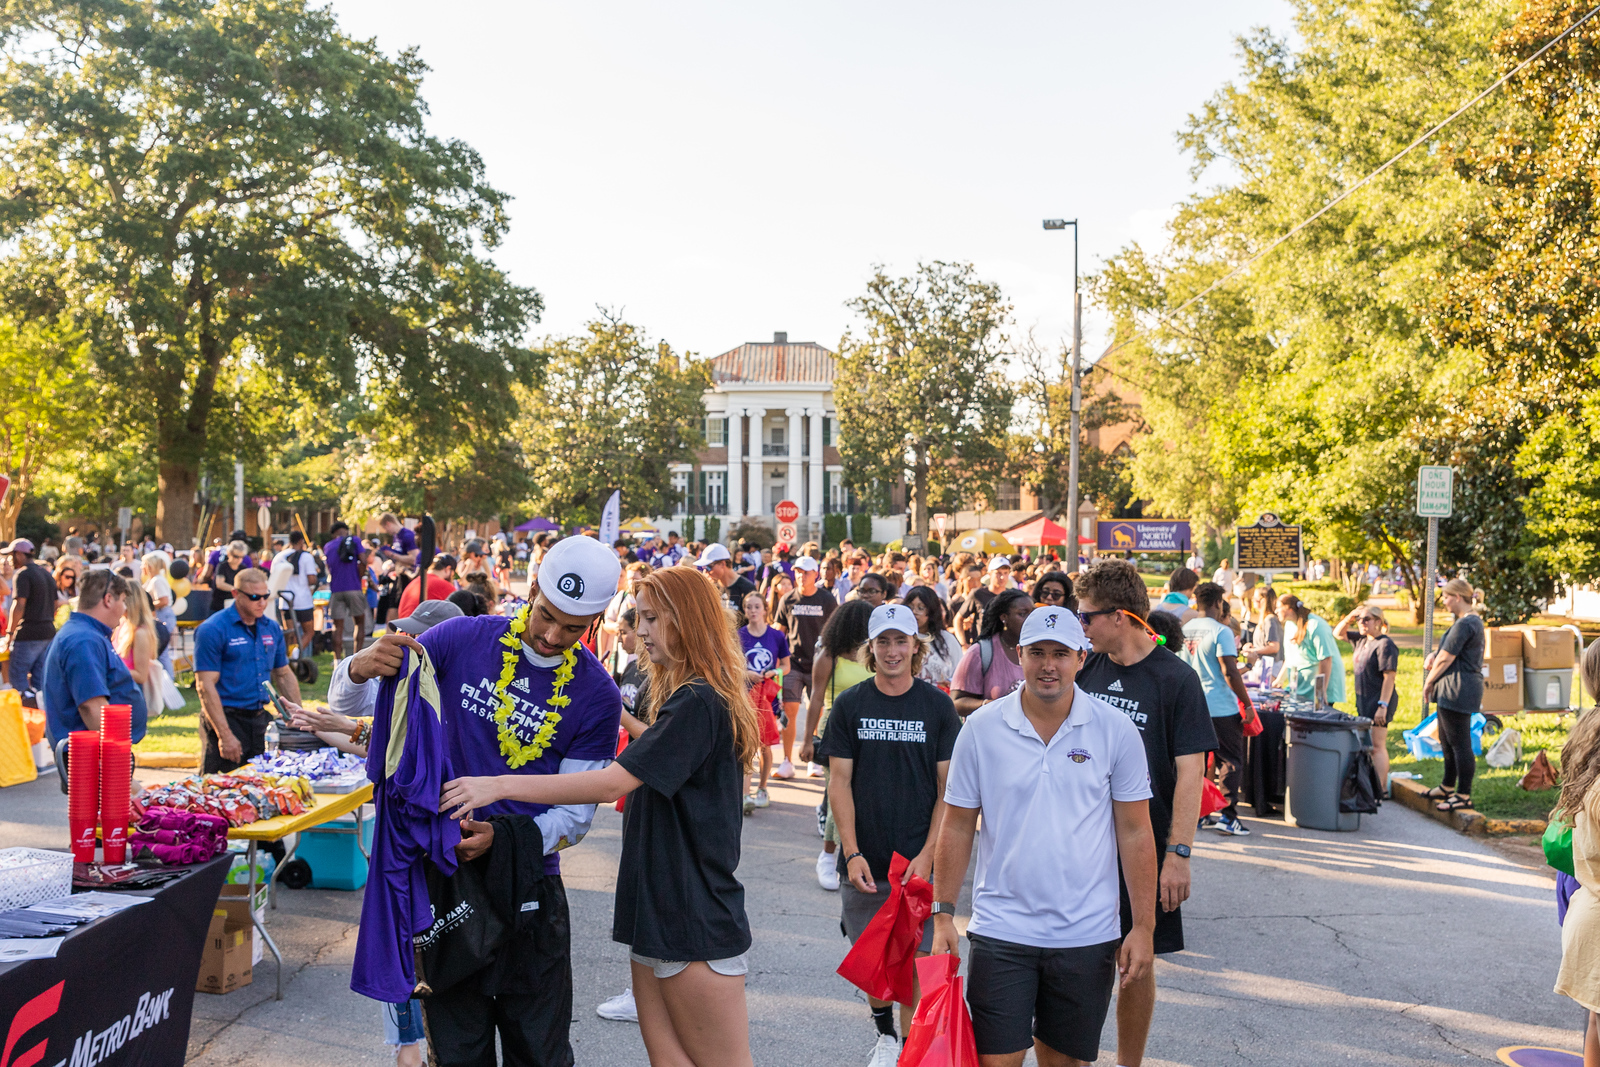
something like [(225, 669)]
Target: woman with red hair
[(678, 906)]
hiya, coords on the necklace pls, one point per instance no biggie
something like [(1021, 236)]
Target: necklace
[(511, 746)]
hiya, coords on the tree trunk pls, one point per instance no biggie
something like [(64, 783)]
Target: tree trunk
[(919, 509), (9, 513), (175, 485)]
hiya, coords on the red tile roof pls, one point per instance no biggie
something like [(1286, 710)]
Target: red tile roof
[(804, 361)]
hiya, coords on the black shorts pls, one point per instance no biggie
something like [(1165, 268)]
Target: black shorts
[(1169, 924), (1058, 995), (305, 614)]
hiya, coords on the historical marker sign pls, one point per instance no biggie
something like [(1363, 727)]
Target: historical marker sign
[(1268, 546), (1435, 492)]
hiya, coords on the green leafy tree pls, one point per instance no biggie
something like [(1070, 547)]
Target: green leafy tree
[(220, 189), (613, 411), (48, 407), (922, 393)]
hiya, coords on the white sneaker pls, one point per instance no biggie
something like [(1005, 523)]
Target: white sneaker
[(749, 803), (762, 800), (828, 872), (886, 1053), (619, 1008), (785, 770), (814, 771)]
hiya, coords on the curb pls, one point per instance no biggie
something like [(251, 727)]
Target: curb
[(165, 759), (1410, 793)]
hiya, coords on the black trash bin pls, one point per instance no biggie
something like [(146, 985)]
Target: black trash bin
[(1321, 744)]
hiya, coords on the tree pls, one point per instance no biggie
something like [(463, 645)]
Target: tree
[(613, 412), (220, 189), (922, 393), (47, 406)]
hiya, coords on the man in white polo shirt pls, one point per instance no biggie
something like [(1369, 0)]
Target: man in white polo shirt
[(1061, 780)]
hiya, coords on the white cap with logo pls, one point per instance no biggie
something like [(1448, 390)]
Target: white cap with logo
[(891, 617), (714, 553), (579, 575), (805, 563), (1053, 624), (997, 562)]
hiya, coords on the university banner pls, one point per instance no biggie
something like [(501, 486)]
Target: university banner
[(1142, 535)]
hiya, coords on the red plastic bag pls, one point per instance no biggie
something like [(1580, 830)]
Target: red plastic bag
[(941, 1031), (1211, 798), (882, 961), (1250, 718)]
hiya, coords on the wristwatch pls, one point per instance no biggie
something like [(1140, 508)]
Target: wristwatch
[(942, 907), (1181, 850)]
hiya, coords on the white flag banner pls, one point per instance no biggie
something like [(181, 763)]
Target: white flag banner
[(611, 518)]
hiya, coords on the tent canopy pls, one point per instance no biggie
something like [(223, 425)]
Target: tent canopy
[(538, 524), (1040, 531), (638, 526)]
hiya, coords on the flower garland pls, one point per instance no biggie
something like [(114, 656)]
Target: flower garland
[(511, 747)]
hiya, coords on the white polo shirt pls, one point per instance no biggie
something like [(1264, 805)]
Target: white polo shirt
[(1047, 846)]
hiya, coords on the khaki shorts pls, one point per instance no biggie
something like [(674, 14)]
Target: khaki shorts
[(732, 967), (348, 604)]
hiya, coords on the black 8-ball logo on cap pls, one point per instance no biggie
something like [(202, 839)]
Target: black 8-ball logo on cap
[(571, 585)]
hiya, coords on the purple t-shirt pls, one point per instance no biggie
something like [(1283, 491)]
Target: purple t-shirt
[(405, 540), (343, 577), (762, 654), (466, 654)]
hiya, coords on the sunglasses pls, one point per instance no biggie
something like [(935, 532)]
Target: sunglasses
[(1052, 593), (1085, 617), (254, 598)]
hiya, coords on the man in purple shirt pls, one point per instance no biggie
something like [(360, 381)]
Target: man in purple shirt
[(576, 580), (347, 599)]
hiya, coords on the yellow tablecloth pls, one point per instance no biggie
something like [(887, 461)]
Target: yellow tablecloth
[(328, 806)]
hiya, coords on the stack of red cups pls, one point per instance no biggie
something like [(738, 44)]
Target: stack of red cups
[(83, 792), (116, 779)]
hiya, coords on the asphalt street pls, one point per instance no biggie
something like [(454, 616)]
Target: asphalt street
[(1404, 943)]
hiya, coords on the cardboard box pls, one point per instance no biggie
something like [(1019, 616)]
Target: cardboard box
[(225, 965), (1505, 642), (1546, 647), (238, 902), (1502, 683)]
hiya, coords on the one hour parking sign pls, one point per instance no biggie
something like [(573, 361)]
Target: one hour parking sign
[(1435, 492)]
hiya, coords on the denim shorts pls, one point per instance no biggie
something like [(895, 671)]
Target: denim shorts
[(402, 1023), (733, 967)]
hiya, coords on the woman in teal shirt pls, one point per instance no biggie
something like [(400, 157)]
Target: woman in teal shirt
[(1310, 652)]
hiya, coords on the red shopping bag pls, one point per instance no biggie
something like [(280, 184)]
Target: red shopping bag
[(882, 961), (941, 1031), (1211, 798), (1250, 718)]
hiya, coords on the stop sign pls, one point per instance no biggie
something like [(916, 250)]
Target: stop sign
[(787, 511)]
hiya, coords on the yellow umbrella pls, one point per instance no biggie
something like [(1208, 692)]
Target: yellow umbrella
[(990, 542), (638, 526)]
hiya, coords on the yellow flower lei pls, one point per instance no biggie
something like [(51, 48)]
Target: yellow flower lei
[(515, 752)]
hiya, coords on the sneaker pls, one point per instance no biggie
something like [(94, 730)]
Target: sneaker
[(1232, 827), (822, 822), (886, 1053), (619, 1008), (760, 799), (785, 770), (814, 771), (749, 803), (828, 873), (1209, 822)]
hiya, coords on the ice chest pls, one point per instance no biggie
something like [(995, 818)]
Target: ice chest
[(1547, 690), (336, 859)]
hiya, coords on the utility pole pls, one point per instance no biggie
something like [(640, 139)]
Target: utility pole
[(1077, 391)]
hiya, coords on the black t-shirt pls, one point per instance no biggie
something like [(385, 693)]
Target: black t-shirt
[(677, 898), (1374, 656), (1461, 687), (631, 683), (969, 617), (226, 571), (1164, 698), (39, 613), (897, 744), (802, 618), (733, 595)]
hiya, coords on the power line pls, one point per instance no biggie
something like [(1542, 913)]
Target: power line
[(1330, 205)]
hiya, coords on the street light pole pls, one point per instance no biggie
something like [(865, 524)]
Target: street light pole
[(1077, 389)]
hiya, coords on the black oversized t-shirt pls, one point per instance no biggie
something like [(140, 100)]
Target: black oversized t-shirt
[(1374, 656), (1461, 688), (733, 596), (677, 898), (39, 613), (969, 616), (897, 744), (1164, 698), (802, 619)]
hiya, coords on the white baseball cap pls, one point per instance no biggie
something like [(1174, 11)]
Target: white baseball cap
[(579, 575), (891, 617), (714, 552), (1053, 624), (805, 563), (999, 561)]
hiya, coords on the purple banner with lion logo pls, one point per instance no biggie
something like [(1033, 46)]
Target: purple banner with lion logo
[(1143, 535)]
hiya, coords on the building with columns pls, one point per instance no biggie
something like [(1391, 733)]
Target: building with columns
[(770, 436)]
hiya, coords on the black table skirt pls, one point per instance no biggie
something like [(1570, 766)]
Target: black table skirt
[(1265, 765), (122, 985)]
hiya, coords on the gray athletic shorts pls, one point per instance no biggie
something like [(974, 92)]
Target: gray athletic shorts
[(794, 684), (858, 908), (348, 604), (733, 967)]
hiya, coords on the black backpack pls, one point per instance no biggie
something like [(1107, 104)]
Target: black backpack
[(347, 549)]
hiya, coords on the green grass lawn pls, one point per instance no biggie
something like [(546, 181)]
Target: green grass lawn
[(179, 731)]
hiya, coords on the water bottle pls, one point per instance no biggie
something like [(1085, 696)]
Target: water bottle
[(272, 735)]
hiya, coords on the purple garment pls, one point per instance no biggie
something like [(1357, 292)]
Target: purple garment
[(405, 540), (409, 829), (344, 577), (1566, 885), (764, 653), (466, 652)]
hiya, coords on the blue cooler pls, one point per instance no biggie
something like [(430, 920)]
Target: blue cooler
[(331, 850)]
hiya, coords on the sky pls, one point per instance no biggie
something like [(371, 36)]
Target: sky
[(720, 171)]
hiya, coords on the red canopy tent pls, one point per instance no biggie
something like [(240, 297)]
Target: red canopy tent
[(1040, 531)]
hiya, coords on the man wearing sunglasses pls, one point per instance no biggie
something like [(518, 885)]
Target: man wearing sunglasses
[(1163, 696), (236, 650)]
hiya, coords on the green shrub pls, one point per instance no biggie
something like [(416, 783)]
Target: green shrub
[(835, 528), (1332, 606), (860, 527), (713, 529)]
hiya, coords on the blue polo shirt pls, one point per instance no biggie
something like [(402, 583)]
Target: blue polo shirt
[(244, 656), (83, 665)]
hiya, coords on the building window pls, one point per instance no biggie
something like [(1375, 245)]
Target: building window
[(716, 432), (829, 426), (680, 485), (713, 492), (775, 444), (1008, 497)]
